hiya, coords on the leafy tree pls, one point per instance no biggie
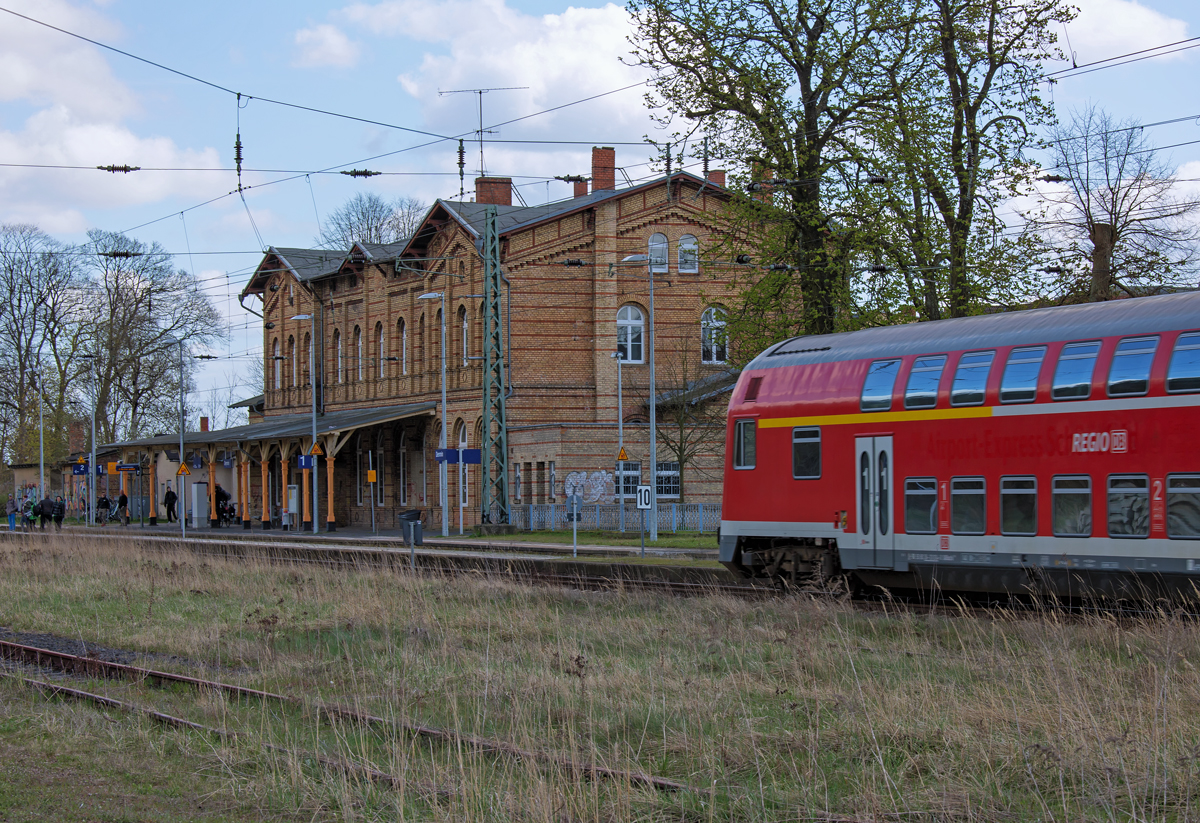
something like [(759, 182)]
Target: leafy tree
[(1115, 220), (368, 218), (881, 134)]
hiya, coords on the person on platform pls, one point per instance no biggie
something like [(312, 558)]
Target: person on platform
[(58, 512), (11, 509), (45, 511), (123, 509), (169, 500), (102, 507)]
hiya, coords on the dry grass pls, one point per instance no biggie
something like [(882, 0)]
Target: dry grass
[(786, 710)]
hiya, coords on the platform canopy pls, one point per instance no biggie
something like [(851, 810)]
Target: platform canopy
[(286, 427)]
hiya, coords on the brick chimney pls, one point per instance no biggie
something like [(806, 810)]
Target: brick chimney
[(717, 177), (494, 190), (203, 424), (581, 188), (77, 436), (604, 168)]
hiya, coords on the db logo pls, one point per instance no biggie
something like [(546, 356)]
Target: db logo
[(945, 542)]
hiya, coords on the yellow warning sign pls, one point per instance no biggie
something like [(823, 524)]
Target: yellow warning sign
[(183, 469), (317, 450), (81, 460), (621, 455), (370, 475)]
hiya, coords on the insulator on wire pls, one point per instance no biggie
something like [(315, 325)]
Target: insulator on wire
[(462, 164), (122, 169), (360, 173), (237, 152)]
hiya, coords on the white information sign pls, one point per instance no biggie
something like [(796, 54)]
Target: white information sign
[(643, 497)]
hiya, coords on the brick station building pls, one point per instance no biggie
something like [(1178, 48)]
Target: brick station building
[(378, 350)]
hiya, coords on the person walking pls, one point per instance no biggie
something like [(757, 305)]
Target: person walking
[(11, 509), (169, 504), (123, 509), (28, 518), (45, 510), (58, 512), (102, 507)]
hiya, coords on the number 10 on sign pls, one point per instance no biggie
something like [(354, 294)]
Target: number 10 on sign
[(643, 497)]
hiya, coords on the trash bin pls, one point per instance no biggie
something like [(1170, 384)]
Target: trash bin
[(410, 524)]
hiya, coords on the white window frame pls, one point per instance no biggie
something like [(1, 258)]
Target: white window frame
[(627, 325), (688, 253), (466, 329), (295, 362), (358, 336), (403, 346), (660, 473), (341, 362), (278, 364), (712, 323), (626, 470), (740, 429), (661, 263), (382, 350)]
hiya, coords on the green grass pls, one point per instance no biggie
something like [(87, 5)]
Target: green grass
[(629, 539), (785, 709)]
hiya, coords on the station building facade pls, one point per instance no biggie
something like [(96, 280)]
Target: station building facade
[(571, 301)]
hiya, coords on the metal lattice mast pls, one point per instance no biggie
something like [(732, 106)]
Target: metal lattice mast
[(495, 421)]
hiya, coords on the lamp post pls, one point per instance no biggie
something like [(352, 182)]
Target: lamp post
[(619, 357), (91, 483), (37, 377), (312, 389), (179, 490), (442, 479), (645, 258)]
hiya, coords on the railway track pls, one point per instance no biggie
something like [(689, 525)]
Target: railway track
[(93, 667)]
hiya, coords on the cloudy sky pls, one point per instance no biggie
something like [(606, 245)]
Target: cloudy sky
[(65, 102)]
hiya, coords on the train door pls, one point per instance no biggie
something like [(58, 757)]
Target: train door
[(876, 518)]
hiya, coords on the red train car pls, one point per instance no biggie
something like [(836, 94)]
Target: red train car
[(1048, 449)]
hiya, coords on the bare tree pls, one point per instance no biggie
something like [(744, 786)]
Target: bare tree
[(368, 218), (692, 400), (141, 306), (1115, 220)]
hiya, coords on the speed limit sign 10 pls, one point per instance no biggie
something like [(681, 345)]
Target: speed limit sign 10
[(643, 497)]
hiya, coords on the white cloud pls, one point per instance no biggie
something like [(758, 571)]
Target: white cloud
[(1107, 28), (78, 118), (325, 45)]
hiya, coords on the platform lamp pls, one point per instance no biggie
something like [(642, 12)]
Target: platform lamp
[(91, 484), (619, 356), (442, 478), (312, 385), (645, 258)]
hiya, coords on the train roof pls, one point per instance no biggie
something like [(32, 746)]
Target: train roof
[(1137, 315)]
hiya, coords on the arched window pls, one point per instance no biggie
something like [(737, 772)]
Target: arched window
[(402, 333), (381, 345), (292, 358), (341, 361), (438, 332), (630, 323), (421, 344), (277, 360), (658, 252), (689, 255), (358, 352), (712, 336), (465, 340), (307, 357)]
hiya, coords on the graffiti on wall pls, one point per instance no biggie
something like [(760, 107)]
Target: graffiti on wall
[(594, 487)]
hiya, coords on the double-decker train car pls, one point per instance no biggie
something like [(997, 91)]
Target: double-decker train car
[(1052, 450)]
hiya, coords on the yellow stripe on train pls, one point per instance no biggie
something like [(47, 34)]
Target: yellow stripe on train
[(876, 417)]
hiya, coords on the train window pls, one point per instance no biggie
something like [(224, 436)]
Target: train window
[(1184, 372), (1183, 506), (970, 378), (1019, 383), (920, 505), (1130, 371), (877, 388), (1073, 376), (743, 444), (1128, 506), (923, 380), (968, 505), (1072, 506), (1018, 505), (806, 453)]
